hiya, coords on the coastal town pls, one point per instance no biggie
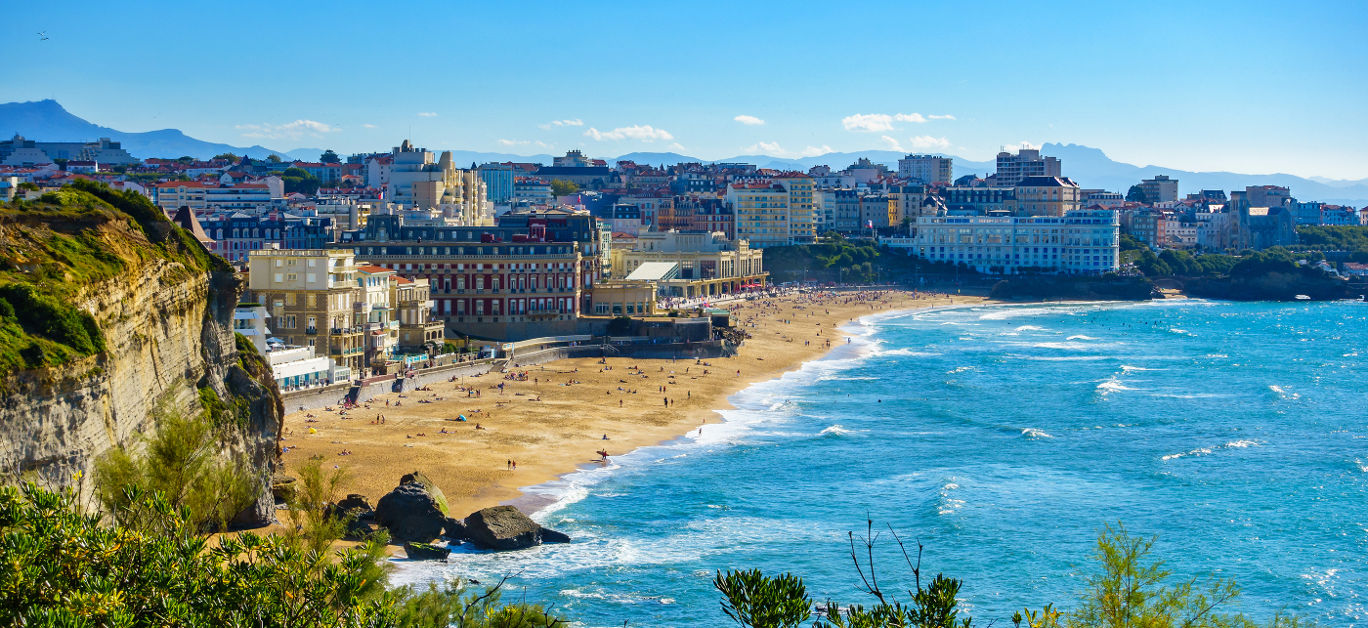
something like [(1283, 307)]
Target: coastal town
[(377, 262), (497, 315)]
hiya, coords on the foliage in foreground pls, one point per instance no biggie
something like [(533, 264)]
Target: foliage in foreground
[(62, 567), (1129, 590), (182, 464)]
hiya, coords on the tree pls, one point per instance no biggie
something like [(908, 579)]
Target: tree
[(227, 157), (562, 187), (61, 163), (299, 180), (329, 157), (273, 158), (1136, 194), (186, 159), (181, 463)]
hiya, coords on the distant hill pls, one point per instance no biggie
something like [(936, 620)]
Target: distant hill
[(46, 120)]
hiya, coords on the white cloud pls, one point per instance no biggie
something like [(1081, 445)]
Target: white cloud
[(892, 143), (880, 122), (427, 114), (368, 126), (749, 120), (773, 149), (641, 132), (676, 146), (926, 141), (537, 143), (289, 130), (567, 122), (869, 122)]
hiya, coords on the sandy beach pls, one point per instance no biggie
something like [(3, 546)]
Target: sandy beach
[(554, 418)]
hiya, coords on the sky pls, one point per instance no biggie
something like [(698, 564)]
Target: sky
[(1252, 87)]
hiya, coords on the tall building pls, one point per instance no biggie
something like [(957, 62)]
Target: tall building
[(1160, 189), (801, 214), (498, 180), (419, 178), (1026, 163), (774, 212), (311, 296), (927, 169)]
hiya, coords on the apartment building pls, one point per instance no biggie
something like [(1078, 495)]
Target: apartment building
[(312, 298), (1160, 189), (234, 236), (778, 211), (926, 169), (1082, 242), (1027, 162), (205, 198)]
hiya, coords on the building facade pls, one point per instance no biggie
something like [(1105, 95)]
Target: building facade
[(1081, 243), (926, 169)]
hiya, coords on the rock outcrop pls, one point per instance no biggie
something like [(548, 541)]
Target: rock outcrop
[(163, 308), (358, 514), (414, 512), (507, 528)]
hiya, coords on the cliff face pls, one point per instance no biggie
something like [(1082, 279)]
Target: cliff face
[(166, 323)]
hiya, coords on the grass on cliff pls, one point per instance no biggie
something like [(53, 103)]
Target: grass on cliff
[(58, 248)]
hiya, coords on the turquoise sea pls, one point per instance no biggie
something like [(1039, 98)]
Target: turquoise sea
[(1002, 438)]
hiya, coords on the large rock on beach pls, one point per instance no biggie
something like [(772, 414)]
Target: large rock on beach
[(502, 528), (415, 511), (358, 514)]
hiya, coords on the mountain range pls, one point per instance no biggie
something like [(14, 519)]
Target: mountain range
[(46, 120)]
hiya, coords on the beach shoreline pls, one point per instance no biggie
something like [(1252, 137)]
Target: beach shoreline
[(549, 419)]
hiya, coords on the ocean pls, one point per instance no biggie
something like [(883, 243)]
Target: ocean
[(1003, 439)]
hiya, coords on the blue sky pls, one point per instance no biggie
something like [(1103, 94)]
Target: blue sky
[(1241, 86)]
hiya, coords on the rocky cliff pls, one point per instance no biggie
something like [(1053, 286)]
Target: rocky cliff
[(156, 310)]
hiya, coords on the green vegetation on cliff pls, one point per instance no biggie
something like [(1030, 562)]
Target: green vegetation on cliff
[(1351, 239), (836, 259), (58, 248)]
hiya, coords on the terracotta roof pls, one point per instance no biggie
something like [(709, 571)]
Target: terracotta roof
[(373, 269)]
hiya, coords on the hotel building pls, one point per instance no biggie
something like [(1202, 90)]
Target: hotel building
[(1083, 242)]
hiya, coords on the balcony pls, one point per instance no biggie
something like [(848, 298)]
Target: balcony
[(311, 331)]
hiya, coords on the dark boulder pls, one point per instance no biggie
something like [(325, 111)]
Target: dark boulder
[(455, 530), (551, 536), (502, 528), (415, 511), (424, 551)]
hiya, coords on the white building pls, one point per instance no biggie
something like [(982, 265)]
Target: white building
[(297, 367), (1083, 242)]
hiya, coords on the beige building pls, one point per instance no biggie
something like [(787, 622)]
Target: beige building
[(313, 300), (624, 298), (1045, 196), (775, 213), (708, 264), (422, 180)]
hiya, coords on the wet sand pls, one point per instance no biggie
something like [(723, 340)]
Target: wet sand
[(554, 421)]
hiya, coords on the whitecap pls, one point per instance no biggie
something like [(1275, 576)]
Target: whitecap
[(834, 430), (1034, 433), (1110, 386), (1080, 337), (1284, 394), (959, 369), (1030, 328)]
